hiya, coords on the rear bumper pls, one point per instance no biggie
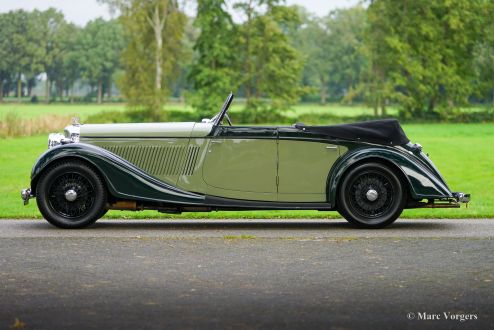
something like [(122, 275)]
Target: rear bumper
[(461, 197), (453, 202)]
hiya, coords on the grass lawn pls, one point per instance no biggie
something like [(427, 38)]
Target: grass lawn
[(463, 153), (82, 111)]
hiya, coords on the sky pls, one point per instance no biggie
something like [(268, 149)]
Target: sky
[(82, 11)]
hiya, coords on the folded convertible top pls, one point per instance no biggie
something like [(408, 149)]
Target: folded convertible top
[(386, 131)]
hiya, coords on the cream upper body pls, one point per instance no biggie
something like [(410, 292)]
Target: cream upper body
[(184, 130)]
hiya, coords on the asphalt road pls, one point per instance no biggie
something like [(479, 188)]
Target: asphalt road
[(247, 274)]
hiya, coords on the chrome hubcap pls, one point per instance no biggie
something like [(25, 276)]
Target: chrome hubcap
[(371, 195), (70, 195)]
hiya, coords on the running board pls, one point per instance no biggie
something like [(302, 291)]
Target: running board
[(238, 204)]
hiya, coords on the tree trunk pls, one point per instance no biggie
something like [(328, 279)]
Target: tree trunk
[(378, 104), (19, 89), (383, 108), (247, 67), (60, 90), (108, 92), (47, 90), (72, 93), (432, 104), (1, 91), (157, 24), (100, 91), (323, 91)]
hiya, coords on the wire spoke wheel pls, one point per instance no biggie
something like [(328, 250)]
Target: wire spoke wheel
[(371, 195), (71, 195)]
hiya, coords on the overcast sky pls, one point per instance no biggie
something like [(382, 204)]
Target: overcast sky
[(82, 11)]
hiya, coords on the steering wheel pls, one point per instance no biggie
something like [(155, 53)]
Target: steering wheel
[(228, 119)]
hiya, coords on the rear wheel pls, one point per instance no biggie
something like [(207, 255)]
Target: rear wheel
[(71, 195), (371, 195)]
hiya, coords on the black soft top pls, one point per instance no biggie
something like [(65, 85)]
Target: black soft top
[(386, 131)]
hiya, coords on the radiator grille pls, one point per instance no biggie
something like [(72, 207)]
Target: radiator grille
[(159, 160)]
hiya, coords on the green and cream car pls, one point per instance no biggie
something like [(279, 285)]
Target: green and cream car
[(369, 172)]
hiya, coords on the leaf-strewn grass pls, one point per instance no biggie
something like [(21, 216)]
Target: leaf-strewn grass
[(464, 153)]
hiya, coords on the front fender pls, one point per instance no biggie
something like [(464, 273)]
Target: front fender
[(124, 180), (422, 181)]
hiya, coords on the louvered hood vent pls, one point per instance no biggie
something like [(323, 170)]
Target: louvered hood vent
[(160, 160)]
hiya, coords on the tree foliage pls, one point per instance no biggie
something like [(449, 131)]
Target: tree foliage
[(422, 52), (334, 60), (99, 46), (213, 72), (424, 56), (154, 30), (269, 65)]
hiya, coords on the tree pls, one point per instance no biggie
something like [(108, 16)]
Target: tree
[(99, 47), (422, 52), (332, 47), (22, 47), (484, 60), (344, 44), (213, 72), (270, 66), (154, 30), (6, 64), (54, 35), (310, 39)]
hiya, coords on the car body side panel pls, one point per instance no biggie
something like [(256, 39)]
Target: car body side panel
[(163, 158), (124, 180), (195, 182), (241, 168), (301, 166), (422, 181)]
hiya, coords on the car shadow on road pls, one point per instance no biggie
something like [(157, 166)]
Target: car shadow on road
[(204, 225), (225, 224)]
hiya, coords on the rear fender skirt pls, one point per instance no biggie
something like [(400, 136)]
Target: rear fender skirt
[(422, 181), (123, 179)]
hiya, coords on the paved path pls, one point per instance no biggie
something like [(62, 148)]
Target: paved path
[(302, 274)]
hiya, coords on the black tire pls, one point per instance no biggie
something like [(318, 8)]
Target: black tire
[(359, 188), (90, 195)]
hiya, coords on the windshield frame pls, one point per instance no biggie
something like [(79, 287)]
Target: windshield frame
[(219, 117)]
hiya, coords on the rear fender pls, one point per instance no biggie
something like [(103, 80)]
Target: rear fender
[(423, 183)]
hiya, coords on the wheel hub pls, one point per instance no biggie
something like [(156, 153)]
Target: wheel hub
[(70, 195), (371, 195)]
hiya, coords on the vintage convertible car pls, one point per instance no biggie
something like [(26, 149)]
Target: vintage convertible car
[(369, 172)]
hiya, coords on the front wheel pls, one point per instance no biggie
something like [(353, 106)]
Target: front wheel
[(371, 195), (71, 195)]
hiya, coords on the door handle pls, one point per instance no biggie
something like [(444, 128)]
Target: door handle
[(217, 141), (331, 147)]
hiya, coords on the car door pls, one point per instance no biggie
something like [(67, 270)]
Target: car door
[(241, 163), (304, 165)]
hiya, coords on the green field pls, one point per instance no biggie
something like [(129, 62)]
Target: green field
[(463, 153), (82, 111)]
